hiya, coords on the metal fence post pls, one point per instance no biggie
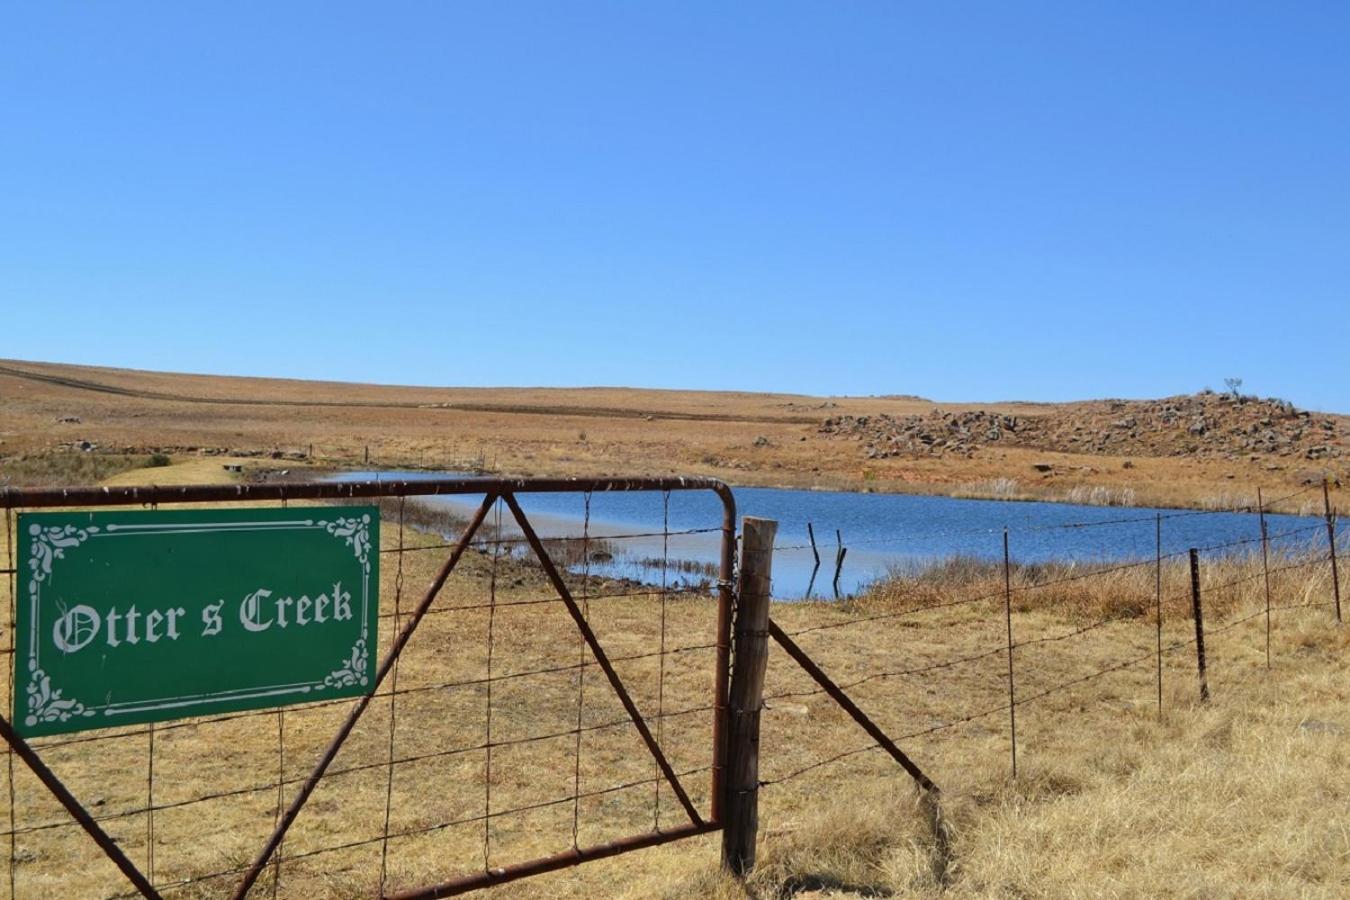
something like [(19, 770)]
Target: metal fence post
[(1007, 611), (1265, 565), (750, 656), (1331, 545), (1199, 624), (1157, 602)]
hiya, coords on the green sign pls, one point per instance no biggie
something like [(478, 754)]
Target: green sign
[(146, 615)]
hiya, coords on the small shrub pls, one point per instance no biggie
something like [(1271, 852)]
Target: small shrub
[(1100, 495), (65, 469), (990, 488), (158, 460)]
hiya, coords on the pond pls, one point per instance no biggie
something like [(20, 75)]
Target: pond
[(880, 531)]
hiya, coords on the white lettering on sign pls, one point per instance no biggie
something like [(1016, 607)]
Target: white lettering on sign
[(259, 612), (80, 625), (211, 623), (76, 629)]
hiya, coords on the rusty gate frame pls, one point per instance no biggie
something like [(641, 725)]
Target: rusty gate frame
[(492, 490)]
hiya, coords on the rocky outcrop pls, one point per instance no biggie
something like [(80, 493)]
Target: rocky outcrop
[(1206, 424)]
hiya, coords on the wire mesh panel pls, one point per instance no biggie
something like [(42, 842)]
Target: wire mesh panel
[(534, 707), (979, 663)]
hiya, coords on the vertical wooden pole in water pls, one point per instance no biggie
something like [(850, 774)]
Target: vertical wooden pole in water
[(840, 552), (1007, 613), (750, 653), (1331, 544), (811, 533), (1199, 624), (1265, 565)]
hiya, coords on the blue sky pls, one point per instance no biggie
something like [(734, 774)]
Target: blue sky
[(961, 200)]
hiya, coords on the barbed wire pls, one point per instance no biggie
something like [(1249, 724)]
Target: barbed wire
[(45, 744), (487, 543), (942, 726), (352, 769), (896, 673), (1064, 526), (896, 614), (183, 883), (155, 803), (1155, 653)]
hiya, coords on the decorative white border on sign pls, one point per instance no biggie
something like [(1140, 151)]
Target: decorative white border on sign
[(46, 704)]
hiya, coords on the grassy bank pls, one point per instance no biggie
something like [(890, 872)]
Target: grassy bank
[(72, 468)]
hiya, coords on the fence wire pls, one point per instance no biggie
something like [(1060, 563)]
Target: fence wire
[(1232, 574), (646, 628), (478, 671)]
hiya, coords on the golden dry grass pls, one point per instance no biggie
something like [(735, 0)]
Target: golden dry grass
[(742, 438), (1243, 796)]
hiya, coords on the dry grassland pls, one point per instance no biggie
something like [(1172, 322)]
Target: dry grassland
[(742, 438), (1243, 797)]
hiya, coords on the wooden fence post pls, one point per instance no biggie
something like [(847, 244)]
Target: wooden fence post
[(750, 656), (1199, 624), (839, 555), (811, 533)]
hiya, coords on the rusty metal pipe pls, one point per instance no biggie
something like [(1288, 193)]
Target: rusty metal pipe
[(726, 596), (603, 659), (838, 696), (37, 498), (338, 739), (78, 812), (564, 860)]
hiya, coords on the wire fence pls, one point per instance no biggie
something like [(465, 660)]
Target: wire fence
[(501, 731), (926, 657), (493, 736)]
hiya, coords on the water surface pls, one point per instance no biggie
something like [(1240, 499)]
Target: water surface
[(881, 531)]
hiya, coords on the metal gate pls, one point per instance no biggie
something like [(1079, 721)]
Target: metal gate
[(479, 540)]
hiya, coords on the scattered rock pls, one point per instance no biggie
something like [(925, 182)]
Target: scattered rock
[(1200, 424), (1319, 727)]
